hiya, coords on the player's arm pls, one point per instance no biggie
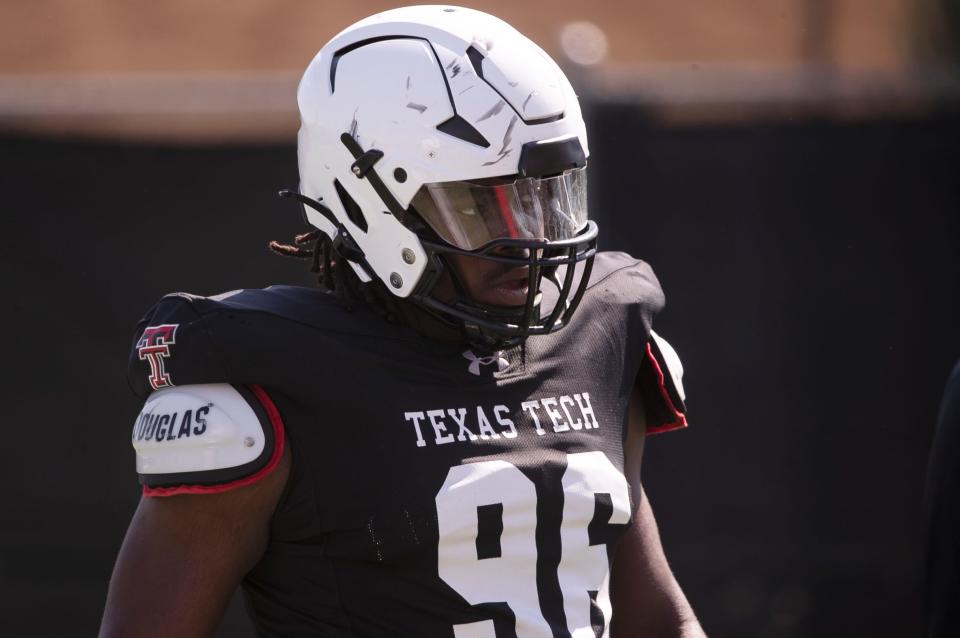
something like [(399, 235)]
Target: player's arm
[(184, 556), (203, 522), (647, 600)]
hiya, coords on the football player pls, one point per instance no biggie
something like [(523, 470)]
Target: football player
[(444, 439)]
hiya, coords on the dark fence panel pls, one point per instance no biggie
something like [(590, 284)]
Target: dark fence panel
[(812, 273)]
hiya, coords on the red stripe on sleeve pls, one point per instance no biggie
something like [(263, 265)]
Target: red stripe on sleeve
[(679, 418)]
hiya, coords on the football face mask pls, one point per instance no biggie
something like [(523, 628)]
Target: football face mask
[(537, 224)]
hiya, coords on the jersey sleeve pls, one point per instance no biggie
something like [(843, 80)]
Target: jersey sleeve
[(174, 345), (201, 430), (653, 366), (660, 383)]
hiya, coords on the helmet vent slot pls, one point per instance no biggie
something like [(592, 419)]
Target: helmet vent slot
[(356, 45), (354, 213), (476, 59), (459, 128)]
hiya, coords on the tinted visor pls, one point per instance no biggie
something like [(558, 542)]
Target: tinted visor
[(471, 214)]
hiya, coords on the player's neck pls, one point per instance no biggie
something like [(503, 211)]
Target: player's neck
[(428, 325)]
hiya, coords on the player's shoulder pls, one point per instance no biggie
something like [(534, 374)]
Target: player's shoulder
[(284, 302), (619, 279), (623, 296), (191, 339)]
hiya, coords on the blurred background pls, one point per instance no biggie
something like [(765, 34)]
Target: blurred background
[(791, 169)]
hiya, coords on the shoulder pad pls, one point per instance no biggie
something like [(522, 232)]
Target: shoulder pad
[(206, 438), (660, 382)]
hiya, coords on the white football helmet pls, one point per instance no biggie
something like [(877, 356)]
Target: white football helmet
[(432, 130)]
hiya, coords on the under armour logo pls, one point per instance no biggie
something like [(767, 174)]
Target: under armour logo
[(476, 362), (153, 347)]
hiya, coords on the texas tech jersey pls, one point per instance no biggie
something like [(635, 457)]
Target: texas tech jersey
[(434, 491)]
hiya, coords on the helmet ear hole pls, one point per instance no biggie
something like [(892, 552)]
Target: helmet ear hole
[(354, 213)]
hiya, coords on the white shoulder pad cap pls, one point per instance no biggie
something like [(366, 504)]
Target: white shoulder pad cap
[(672, 360), (202, 435)]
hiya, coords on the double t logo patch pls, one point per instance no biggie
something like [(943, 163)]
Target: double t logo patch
[(154, 347)]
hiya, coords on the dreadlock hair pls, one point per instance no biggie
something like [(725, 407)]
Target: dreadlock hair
[(339, 278), (336, 276)]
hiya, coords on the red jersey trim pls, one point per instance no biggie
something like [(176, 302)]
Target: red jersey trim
[(679, 418), (278, 442)]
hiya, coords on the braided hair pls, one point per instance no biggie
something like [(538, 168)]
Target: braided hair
[(340, 279), (336, 276)]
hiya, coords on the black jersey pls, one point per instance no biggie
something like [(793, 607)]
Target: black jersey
[(434, 490)]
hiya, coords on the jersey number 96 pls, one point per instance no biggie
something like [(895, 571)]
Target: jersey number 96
[(510, 575)]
